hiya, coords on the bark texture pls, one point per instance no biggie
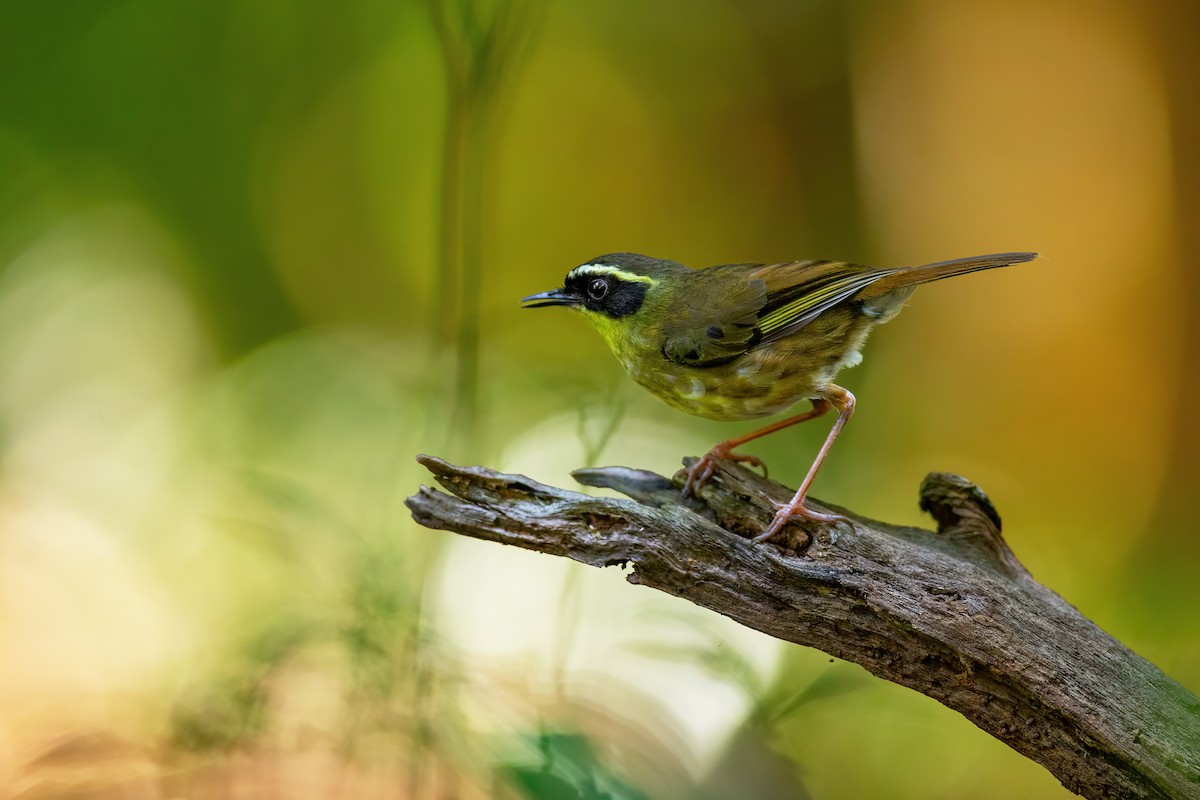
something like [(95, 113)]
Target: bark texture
[(952, 614)]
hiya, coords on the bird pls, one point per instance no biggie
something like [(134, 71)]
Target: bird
[(744, 341)]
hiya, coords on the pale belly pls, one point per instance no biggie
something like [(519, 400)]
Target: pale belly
[(724, 394), (759, 383)]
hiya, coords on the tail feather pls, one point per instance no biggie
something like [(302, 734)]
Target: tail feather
[(902, 278)]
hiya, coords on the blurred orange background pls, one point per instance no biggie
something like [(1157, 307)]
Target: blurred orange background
[(256, 256)]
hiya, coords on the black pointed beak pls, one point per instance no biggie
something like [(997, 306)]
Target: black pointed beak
[(554, 297)]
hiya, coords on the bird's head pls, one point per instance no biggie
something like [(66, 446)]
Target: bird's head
[(617, 292)]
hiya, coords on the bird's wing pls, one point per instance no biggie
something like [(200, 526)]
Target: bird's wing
[(800, 291), (718, 322), (742, 306)]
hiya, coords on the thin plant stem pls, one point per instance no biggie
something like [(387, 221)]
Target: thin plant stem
[(479, 46)]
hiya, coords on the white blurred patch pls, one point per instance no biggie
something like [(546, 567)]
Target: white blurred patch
[(95, 345), (93, 340), (562, 626)]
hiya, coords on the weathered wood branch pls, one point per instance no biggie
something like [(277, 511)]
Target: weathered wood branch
[(952, 614)]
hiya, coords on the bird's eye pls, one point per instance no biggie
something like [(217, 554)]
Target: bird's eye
[(597, 289)]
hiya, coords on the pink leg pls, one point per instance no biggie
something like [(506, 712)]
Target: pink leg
[(702, 470), (843, 401)]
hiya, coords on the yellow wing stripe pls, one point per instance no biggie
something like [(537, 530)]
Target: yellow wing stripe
[(796, 308), (817, 300)]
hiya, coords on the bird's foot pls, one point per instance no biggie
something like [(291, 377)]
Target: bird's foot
[(786, 512), (699, 473)]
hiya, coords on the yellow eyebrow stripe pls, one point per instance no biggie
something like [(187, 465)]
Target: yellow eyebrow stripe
[(615, 272)]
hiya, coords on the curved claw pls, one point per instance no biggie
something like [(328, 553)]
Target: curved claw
[(785, 512), (698, 475), (700, 472), (753, 461)]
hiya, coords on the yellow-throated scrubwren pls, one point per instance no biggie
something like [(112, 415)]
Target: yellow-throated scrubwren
[(740, 341)]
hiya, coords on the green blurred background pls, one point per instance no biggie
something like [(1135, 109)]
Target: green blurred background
[(254, 256)]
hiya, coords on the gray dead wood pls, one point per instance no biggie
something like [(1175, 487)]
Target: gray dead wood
[(952, 614)]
